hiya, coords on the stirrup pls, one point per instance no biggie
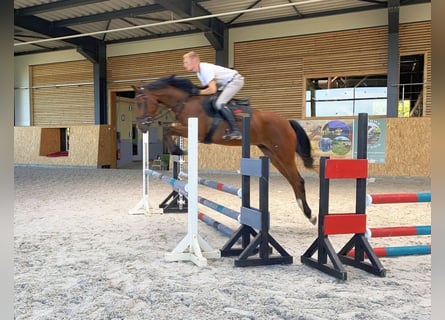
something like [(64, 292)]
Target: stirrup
[(234, 135)]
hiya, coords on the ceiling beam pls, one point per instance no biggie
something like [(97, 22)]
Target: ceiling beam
[(213, 28), (87, 45), (296, 9), (240, 14), (53, 6), (154, 36), (118, 14), (382, 2)]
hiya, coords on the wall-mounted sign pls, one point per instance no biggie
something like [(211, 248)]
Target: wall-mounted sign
[(337, 138)]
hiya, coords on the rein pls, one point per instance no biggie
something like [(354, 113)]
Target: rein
[(149, 120)]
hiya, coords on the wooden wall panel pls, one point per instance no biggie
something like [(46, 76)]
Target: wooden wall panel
[(125, 71), (63, 106), (62, 93), (275, 69), (62, 73), (408, 148)]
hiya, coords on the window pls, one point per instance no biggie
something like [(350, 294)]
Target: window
[(342, 96), (411, 88)]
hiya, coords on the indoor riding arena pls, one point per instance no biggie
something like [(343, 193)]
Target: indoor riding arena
[(110, 224)]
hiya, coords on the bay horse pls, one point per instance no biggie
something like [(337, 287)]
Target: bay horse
[(277, 138)]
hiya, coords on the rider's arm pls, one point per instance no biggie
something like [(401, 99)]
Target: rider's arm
[(211, 88)]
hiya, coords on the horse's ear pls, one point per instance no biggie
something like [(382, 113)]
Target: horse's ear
[(138, 88)]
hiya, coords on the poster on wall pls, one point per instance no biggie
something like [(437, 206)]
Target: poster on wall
[(376, 140), (330, 138), (338, 138)]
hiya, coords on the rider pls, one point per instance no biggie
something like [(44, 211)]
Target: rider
[(217, 78)]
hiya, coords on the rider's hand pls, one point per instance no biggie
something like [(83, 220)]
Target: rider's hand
[(195, 91)]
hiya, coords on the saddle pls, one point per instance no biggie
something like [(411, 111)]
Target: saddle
[(239, 107)]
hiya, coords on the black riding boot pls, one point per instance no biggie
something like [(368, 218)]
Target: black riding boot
[(235, 132)]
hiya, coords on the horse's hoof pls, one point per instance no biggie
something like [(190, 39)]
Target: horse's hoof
[(313, 220)]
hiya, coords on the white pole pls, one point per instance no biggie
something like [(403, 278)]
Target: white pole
[(181, 169), (143, 206), (193, 175), (145, 167), (192, 247)]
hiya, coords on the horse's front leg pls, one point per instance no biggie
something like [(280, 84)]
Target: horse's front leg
[(169, 132)]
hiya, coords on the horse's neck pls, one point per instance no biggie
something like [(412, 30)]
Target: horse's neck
[(171, 100)]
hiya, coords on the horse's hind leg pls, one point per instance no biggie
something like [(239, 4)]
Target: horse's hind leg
[(297, 183), (303, 202), (287, 167)]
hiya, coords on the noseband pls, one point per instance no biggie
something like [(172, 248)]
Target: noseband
[(145, 119)]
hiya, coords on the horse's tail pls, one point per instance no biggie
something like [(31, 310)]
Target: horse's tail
[(304, 149)]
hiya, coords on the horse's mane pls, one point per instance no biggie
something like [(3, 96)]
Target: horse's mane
[(177, 82)]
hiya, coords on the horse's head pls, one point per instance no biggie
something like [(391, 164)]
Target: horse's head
[(171, 92), (146, 107)]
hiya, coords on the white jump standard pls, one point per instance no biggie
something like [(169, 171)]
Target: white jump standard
[(193, 247), (252, 237)]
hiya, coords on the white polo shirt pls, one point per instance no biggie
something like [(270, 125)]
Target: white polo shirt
[(208, 72)]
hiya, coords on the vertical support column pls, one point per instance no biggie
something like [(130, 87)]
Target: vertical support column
[(323, 207), (393, 59), (221, 45), (362, 153), (100, 85), (360, 190), (264, 208), (245, 179), (244, 233)]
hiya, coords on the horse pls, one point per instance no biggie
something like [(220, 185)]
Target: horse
[(277, 138)]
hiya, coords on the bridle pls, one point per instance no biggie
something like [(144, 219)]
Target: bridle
[(145, 119)]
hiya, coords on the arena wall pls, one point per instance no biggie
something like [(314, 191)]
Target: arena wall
[(89, 146), (408, 151)]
